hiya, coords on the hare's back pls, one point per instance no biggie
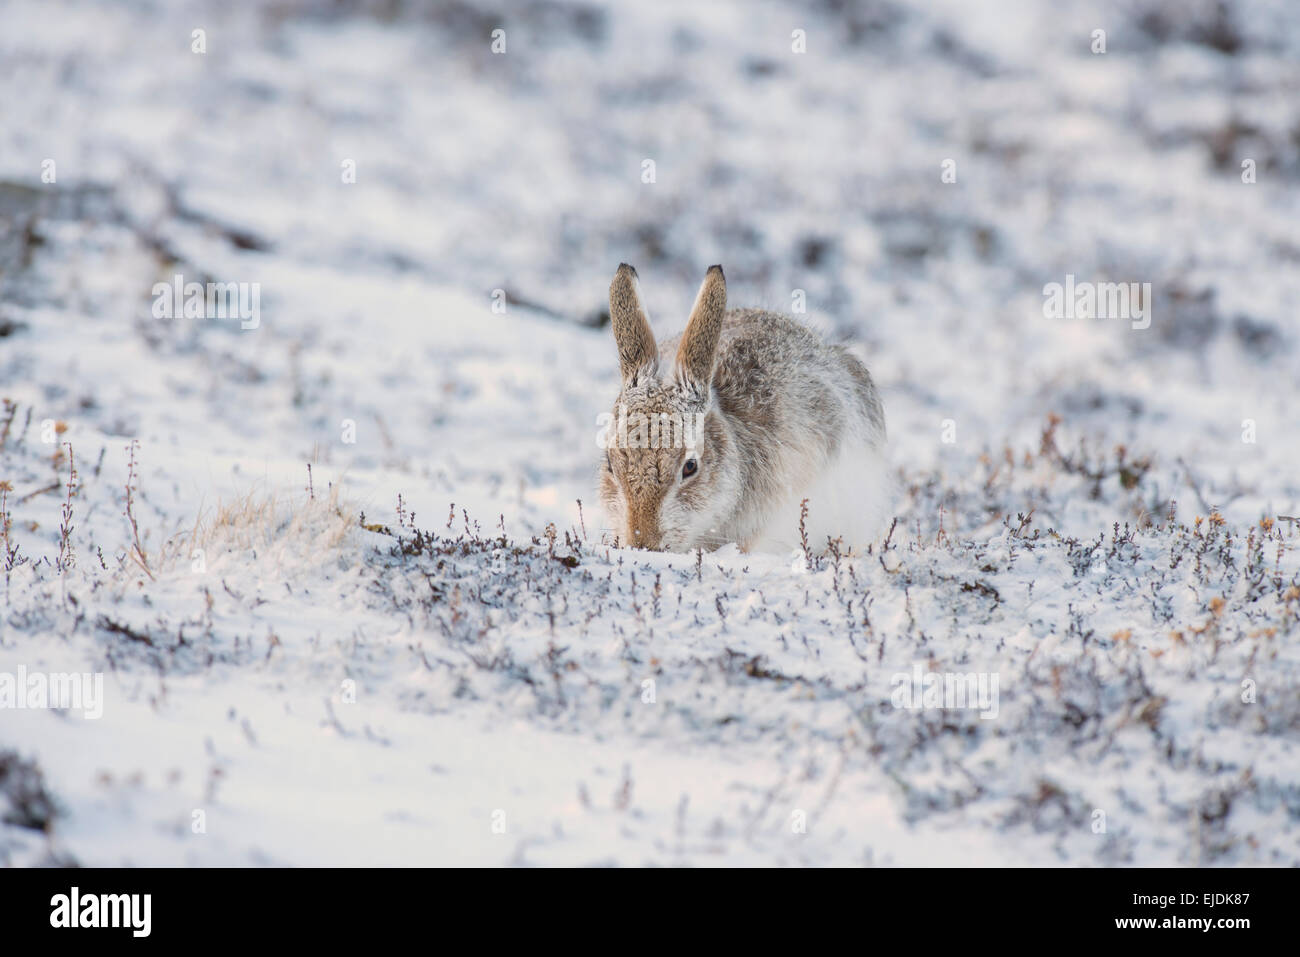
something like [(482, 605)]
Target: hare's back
[(757, 346), (769, 360)]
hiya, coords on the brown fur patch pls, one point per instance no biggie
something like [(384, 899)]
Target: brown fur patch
[(636, 343), (699, 342)]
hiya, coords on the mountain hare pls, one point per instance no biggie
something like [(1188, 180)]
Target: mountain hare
[(719, 434)]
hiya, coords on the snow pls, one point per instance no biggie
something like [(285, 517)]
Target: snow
[(467, 674)]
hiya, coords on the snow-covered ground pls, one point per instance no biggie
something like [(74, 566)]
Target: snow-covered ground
[(422, 652)]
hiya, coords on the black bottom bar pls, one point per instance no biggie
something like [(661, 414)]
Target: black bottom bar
[(334, 907)]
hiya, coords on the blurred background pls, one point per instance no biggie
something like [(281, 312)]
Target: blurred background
[(431, 199), (515, 152)]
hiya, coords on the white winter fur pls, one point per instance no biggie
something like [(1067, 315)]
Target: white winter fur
[(850, 500)]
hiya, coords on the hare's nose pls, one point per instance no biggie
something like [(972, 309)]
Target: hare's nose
[(644, 538)]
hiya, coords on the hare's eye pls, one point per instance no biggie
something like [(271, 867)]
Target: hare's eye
[(690, 468), (609, 466)]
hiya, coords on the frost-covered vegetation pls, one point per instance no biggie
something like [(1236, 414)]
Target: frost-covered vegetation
[(342, 569)]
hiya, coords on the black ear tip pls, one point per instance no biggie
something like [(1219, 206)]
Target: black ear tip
[(717, 269), (624, 267)]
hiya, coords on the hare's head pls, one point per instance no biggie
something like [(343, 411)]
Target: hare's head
[(669, 477)]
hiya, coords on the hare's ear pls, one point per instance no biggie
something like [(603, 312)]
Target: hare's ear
[(636, 343), (700, 340)]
